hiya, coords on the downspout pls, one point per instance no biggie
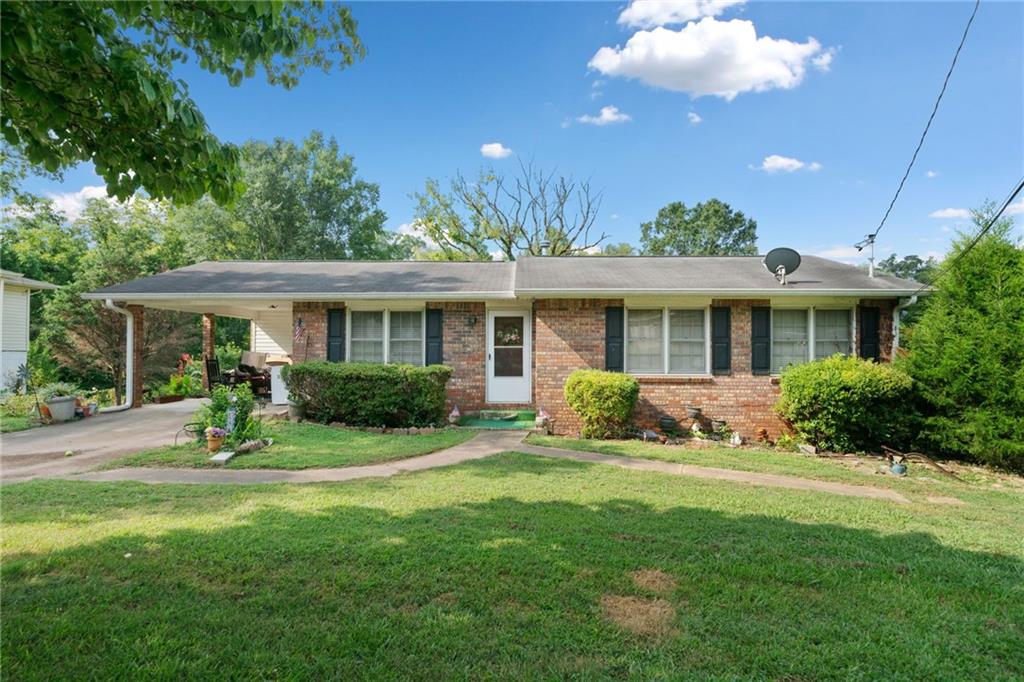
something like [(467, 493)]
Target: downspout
[(129, 360), (897, 312)]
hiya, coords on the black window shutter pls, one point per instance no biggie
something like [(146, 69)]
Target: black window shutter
[(870, 347), (614, 337), (721, 340), (336, 335), (435, 336), (760, 340)]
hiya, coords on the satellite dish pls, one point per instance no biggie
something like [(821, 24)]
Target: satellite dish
[(781, 262)]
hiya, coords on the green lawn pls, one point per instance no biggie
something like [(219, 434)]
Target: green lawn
[(304, 446), (755, 459), (512, 567), (8, 424)]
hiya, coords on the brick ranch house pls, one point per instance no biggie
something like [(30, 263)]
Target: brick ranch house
[(712, 332)]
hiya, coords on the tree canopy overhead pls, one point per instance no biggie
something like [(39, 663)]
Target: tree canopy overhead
[(710, 228), (93, 81)]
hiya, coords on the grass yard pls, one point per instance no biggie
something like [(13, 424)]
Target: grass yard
[(304, 446), (769, 462), (17, 423), (510, 567)]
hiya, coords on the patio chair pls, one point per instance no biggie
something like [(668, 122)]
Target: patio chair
[(213, 374)]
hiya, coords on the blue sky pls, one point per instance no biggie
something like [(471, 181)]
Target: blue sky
[(846, 96)]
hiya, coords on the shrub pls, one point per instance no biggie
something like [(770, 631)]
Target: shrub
[(215, 413), (369, 394), (603, 400), (847, 404), (59, 389), (966, 354)]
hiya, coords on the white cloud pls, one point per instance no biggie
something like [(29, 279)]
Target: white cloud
[(614, 216), (775, 163), (931, 174), (694, 118), (607, 116), (651, 13), (495, 150), (71, 204), (950, 213), (1016, 208), (823, 61), (597, 84), (946, 228), (709, 57), (415, 229)]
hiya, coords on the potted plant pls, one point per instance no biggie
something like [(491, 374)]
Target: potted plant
[(214, 438), (60, 400), (693, 412)]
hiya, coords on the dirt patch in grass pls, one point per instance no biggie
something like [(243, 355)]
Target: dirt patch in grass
[(646, 617), (654, 579), (942, 499)]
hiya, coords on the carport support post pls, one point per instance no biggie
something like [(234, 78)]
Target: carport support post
[(138, 340), (209, 334)]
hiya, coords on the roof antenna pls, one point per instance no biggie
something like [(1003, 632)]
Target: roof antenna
[(869, 240), (781, 262)]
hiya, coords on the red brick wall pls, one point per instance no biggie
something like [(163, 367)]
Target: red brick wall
[(465, 347), (312, 345), (568, 335)]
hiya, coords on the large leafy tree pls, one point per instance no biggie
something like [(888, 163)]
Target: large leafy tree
[(531, 213), (710, 228), (965, 353), (93, 81), (88, 340), (301, 201)]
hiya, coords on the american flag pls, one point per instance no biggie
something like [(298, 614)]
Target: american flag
[(300, 327)]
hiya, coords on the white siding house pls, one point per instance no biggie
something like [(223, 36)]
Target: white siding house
[(271, 332), (15, 298)]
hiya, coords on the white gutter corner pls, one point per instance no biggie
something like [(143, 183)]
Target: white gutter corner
[(129, 360), (897, 312)]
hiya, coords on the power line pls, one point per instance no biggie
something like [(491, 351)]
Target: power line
[(928, 125), (977, 238)]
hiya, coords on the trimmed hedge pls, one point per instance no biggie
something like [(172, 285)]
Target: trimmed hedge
[(847, 404), (369, 394), (603, 400)]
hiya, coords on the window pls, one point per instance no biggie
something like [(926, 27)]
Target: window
[(406, 337), (686, 353), (831, 333), (367, 336), (665, 340), (789, 338), (643, 342)]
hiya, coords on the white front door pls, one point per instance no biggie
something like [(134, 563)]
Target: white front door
[(508, 356)]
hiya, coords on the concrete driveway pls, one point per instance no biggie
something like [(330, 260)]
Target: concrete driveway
[(40, 452)]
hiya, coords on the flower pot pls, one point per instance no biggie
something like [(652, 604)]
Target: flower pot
[(161, 399), (717, 424), (296, 411), (667, 423), (62, 408), (214, 443), (693, 412)]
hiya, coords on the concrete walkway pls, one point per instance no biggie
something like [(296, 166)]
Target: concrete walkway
[(483, 445), (40, 452)]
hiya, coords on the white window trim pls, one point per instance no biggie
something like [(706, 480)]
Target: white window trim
[(387, 329), (665, 345), (811, 345)]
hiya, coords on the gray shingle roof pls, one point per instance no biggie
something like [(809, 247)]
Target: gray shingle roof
[(279, 279), (529, 276), (696, 274)]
